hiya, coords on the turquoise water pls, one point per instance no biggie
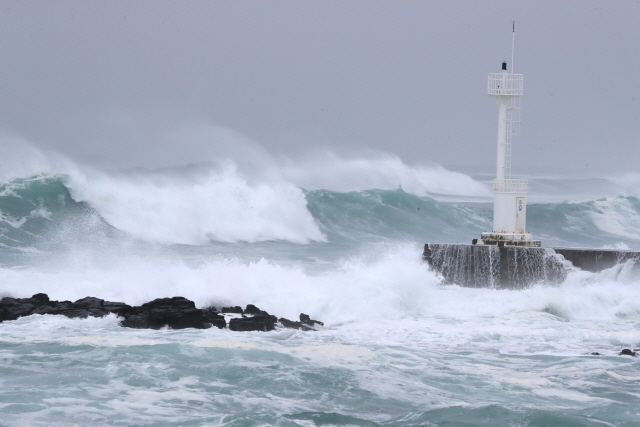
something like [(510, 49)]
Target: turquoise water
[(398, 348)]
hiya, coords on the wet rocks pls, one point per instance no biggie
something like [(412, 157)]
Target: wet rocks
[(294, 325), (260, 320), (118, 308), (175, 313), (304, 318), (255, 323), (627, 352), (254, 311), (68, 309), (13, 308), (236, 310), (255, 319)]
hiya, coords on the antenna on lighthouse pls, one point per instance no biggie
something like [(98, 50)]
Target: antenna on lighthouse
[(513, 45)]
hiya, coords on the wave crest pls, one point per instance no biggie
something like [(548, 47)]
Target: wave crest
[(217, 205)]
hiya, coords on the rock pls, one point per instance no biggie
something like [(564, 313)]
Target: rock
[(304, 318), (89, 302), (255, 323), (294, 325), (68, 309), (13, 308), (237, 310), (595, 353), (175, 313), (118, 308), (211, 316), (97, 307), (627, 352), (254, 311), (88, 306)]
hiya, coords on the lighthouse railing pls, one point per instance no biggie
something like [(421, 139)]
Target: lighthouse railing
[(505, 84), (510, 185)]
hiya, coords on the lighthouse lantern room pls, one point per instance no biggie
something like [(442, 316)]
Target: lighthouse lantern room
[(509, 202)]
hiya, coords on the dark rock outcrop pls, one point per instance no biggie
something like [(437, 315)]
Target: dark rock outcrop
[(304, 318), (294, 325), (68, 309), (627, 352), (175, 313), (118, 308), (260, 320), (12, 308), (235, 310), (254, 311), (255, 323)]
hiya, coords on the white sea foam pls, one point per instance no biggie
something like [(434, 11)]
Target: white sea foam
[(392, 290), (392, 333), (220, 205), (616, 215), (327, 170)]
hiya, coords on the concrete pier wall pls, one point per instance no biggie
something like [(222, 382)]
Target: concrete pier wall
[(515, 267), (595, 260)]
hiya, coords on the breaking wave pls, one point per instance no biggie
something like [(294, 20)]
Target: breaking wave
[(203, 206), (200, 205)]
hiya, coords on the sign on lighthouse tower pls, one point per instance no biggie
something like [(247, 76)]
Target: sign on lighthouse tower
[(509, 201)]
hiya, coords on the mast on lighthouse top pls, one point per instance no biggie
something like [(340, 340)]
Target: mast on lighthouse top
[(507, 88), (509, 203)]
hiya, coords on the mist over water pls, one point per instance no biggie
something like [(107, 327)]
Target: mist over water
[(336, 237)]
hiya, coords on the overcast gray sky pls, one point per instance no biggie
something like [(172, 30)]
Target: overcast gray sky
[(121, 83)]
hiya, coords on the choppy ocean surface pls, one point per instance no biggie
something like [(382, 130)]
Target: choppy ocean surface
[(341, 243)]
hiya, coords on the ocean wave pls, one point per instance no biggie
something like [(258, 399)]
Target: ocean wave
[(618, 216), (201, 205), (595, 223), (324, 198), (219, 205), (326, 170)]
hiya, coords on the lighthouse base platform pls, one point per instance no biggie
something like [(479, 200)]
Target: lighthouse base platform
[(507, 239), (519, 267)]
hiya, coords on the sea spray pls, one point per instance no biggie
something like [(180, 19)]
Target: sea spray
[(325, 170), (218, 206), (490, 266)]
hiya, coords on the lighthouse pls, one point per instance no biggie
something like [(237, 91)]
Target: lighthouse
[(510, 194), (508, 257)]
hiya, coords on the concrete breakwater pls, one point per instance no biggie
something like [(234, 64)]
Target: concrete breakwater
[(515, 267)]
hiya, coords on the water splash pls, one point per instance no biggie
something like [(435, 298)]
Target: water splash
[(487, 266)]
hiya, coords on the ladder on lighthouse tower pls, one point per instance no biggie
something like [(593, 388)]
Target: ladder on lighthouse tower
[(514, 123)]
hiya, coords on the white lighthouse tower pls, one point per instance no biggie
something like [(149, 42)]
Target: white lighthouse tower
[(509, 203)]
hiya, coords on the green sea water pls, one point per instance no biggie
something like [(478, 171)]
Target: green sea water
[(398, 347)]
